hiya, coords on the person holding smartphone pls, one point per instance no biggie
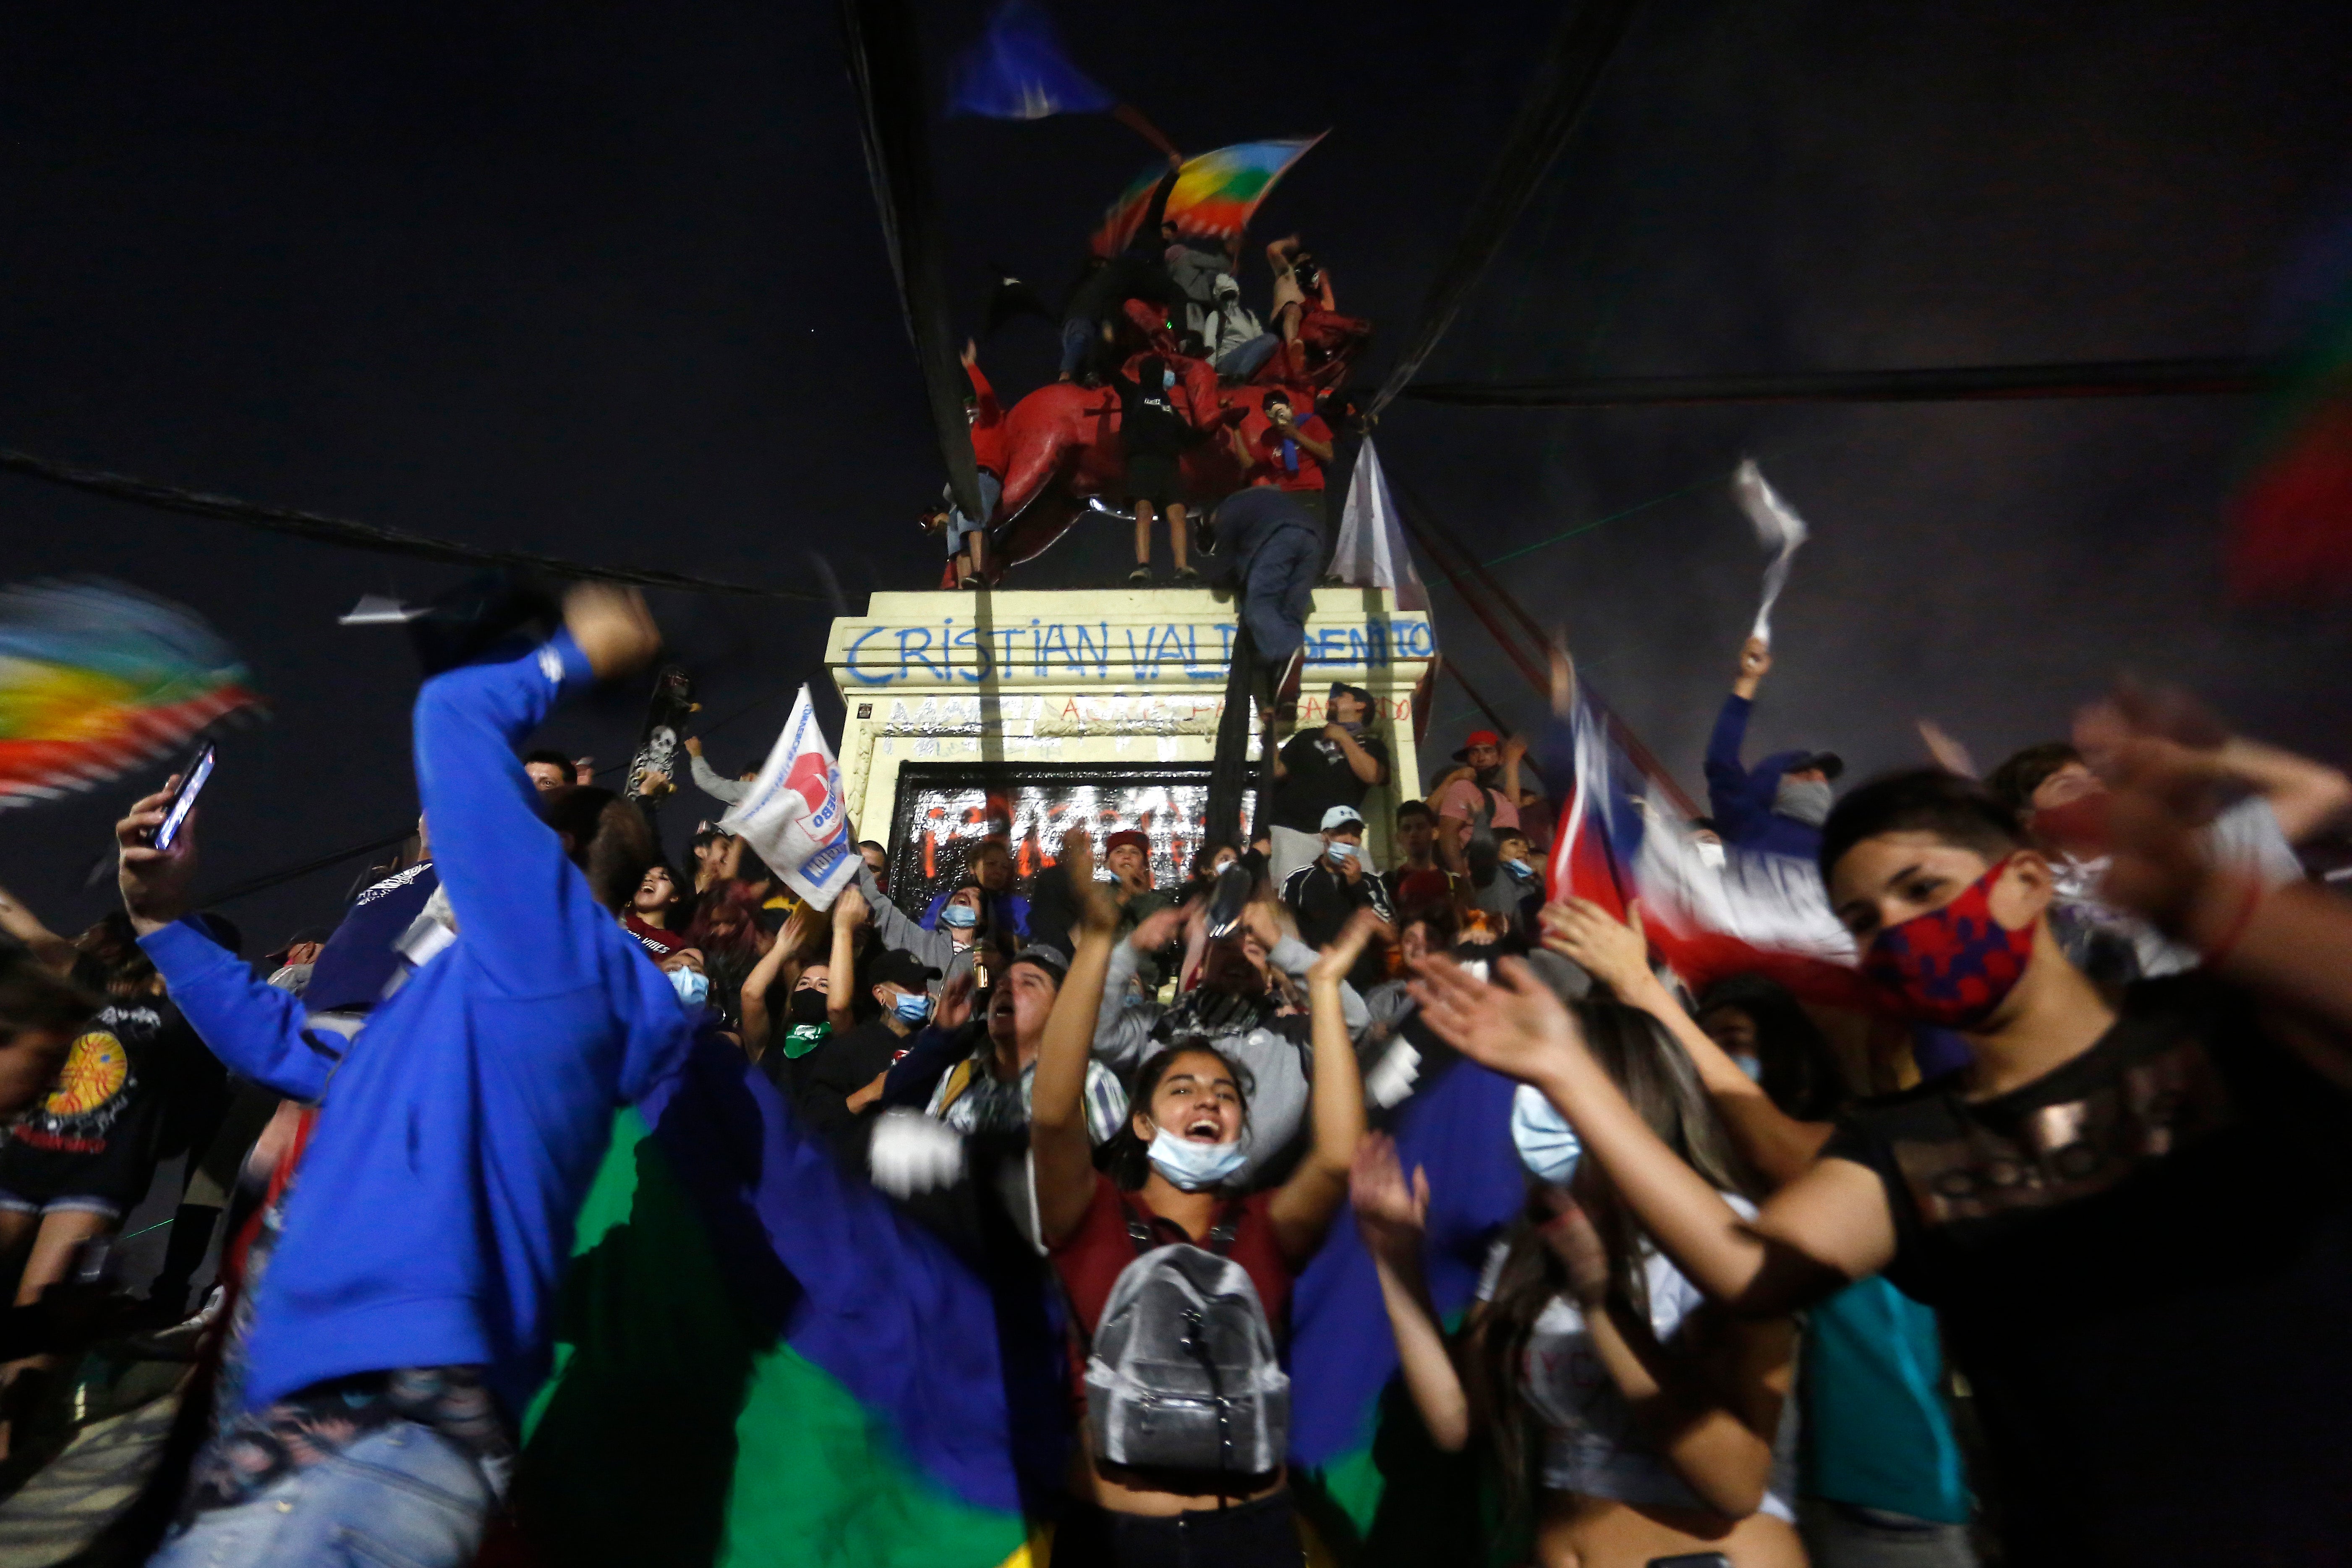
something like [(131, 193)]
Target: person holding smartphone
[(407, 1311)]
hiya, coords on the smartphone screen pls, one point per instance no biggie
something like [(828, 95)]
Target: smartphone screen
[(185, 801)]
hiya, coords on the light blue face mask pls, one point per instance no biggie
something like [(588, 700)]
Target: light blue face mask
[(1342, 851), (1521, 869), (1167, 379), (1194, 1167), (912, 1007), (1549, 1147), (963, 917), (1752, 1066), (692, 985)]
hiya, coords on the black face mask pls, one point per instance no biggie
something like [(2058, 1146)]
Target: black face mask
[(1491, 778), (806, 1007)]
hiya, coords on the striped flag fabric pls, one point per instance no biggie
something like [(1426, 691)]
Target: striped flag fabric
[(1624, 835), (1214, 196)]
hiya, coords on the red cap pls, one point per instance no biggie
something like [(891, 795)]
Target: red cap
[(1481, 738), (1134, 835)]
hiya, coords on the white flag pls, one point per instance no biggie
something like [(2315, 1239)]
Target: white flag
[(1778, 530), (794, 817), (1371, 552)]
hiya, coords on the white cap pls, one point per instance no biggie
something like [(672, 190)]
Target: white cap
[(1340, 816)]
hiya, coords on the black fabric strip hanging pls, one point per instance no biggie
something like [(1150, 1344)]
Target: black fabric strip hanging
[(1229, 768), (1957, 383), (341, 531), (887, 69), (1556, 100)]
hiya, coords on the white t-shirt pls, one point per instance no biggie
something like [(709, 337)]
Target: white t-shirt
[(1588, 1446), (2246, 837)]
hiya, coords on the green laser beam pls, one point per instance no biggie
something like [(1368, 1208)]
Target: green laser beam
[(1613, 517)]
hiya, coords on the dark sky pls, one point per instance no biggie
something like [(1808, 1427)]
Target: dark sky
[(604, 280)]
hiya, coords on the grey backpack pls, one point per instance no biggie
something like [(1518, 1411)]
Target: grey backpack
[(1183, 1373)]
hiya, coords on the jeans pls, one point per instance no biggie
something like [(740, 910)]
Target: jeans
[(404, 1497), (991, 491), (1246, 358), (1077, 336), (1277, 592), (1840, 1535)]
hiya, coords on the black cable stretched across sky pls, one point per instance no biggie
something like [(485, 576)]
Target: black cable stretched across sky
[(607, 287)]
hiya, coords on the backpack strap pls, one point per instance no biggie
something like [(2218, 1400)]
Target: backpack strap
[(1221, 1233)]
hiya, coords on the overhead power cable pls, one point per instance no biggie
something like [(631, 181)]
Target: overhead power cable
[(324, 530), (1556, 100), (1951, 383)]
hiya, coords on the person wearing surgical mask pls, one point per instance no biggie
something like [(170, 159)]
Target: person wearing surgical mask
[(1779, 804), (1582, 1326), (1323, 895), (843, 1075), (1172, 1179), (2127, 1216)]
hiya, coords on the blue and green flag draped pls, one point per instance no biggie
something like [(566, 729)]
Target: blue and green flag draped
[(1374, 1486), (760, 1361)]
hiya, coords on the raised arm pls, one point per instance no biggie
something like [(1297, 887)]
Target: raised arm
[(1778, 1145), (1390, 1216), (47, 948), (1303, 1207), (1828, 1227), (841, 963), (2307, 797), (757, 1024), (1712, 1411), (523, 907), (252, 1027), (935, 948), (2291, 946), (1061, 1152), (707, 779)]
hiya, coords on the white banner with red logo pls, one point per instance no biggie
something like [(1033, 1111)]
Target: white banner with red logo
[(794, 816)]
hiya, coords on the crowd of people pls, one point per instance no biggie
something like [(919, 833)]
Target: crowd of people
[(2035, 1261), (1161, 328)]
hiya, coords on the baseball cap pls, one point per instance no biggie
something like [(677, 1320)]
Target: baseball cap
[(1134, 835), (1049, 959), (895, 966), (1830, 763), (1476, 738), (1358, 692), (1340, 816)]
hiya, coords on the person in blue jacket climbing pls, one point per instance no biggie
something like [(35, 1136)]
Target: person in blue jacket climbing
[(406, 1312), (1778, 804)]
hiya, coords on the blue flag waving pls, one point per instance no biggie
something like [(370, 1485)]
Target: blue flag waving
[(1017, 70)]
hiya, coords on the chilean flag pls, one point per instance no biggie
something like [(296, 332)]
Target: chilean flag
[(1624, 835)]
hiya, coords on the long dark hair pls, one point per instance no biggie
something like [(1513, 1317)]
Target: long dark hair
[(1126, 1157), (1652, 1071), (1801, 1075)]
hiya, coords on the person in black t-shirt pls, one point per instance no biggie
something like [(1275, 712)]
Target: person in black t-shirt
[(2135, 1223), (844, 1076), (1154, 433), (1316, 770)]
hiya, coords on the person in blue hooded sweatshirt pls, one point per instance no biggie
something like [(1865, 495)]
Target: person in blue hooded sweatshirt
[(406, 1312), (1778, 804)]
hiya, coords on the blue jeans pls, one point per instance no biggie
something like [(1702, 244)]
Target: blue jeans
[(1245, 360), (1079, 334), (1277, 592), (991, 491), (404, 1497)]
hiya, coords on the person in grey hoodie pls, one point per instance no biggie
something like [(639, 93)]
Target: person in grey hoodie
[(1250, 1004)]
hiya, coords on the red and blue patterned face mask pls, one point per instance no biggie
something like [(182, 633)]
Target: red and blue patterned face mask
[(1950, 967)]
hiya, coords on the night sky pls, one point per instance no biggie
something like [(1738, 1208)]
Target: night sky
[(605, 281)]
